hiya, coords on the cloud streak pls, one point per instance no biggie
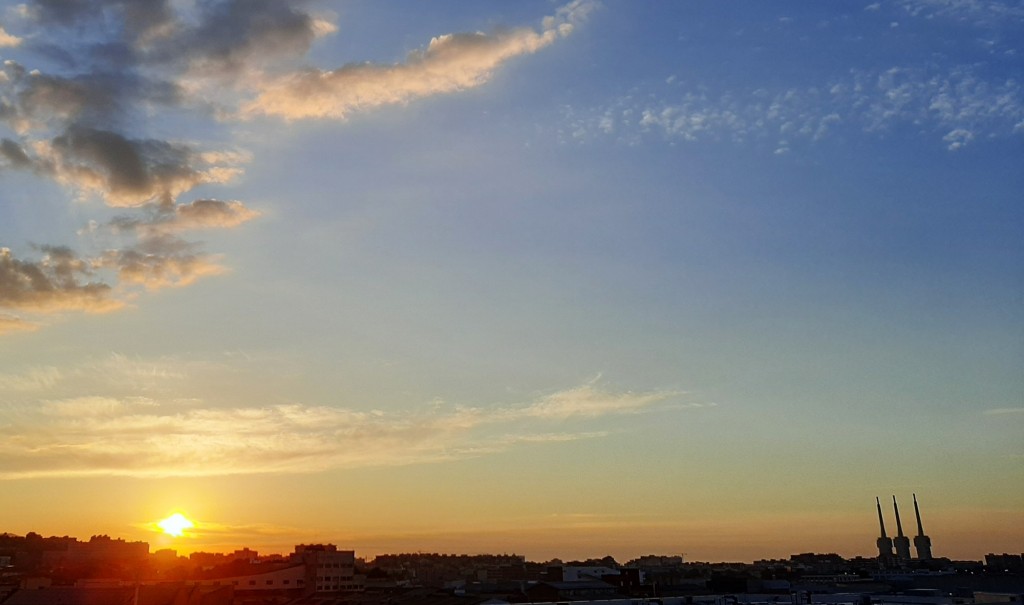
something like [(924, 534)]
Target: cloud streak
[(449, 63), (10, 324), (1003, 411), (143, 437)]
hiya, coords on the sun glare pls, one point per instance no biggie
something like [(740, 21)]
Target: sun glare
[(175, 525)]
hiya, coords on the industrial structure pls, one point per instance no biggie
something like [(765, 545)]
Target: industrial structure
[(901, 542), (922, 543), (884, 542)]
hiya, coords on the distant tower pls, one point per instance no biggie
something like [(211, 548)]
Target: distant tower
[(883, 542), (902, 542), (922, 543)]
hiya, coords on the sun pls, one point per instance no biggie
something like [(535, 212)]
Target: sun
[(175, 525)]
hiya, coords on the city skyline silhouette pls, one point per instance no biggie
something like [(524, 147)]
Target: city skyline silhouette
[(564, 278)]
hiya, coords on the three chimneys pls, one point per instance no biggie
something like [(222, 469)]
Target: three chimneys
[(922, 543)]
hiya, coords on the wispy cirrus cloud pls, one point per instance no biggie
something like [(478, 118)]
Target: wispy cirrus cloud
[(589, 402), (32, 379), (957, 106), (10, 324), (114, 376), (145, 437), (981, 12), (1003, 411)]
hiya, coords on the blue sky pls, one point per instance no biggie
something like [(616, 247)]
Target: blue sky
[(715, 249)]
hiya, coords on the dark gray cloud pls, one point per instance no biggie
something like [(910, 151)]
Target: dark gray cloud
[(14, 154), (99, 98), (55, 282), (134, 18), (81, 116), (128, 172), (85, 116), (217, 37), (124, 172), (229, 36)]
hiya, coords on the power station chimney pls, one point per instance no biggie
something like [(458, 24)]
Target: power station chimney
[(901, 542), (883, 542), (922, 543)]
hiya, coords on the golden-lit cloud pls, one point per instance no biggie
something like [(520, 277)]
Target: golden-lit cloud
[(139, 436), (449, 63), (32, 379), (56, 283), (588, 402), (53, 283), (10, 324), (93, 406), (7, 40), (198, 214), (161, 261)]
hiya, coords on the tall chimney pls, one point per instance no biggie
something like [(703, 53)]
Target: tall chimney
[(884, 542), (922, 543), (901, 542)]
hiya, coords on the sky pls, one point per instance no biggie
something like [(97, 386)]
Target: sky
[(558, 279)]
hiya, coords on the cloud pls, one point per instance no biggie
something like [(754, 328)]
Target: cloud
[(198, 214), (238, 35), (980, 12), (37, 101), (34, 379), (137, 16), (143, 437), (7, 40), (589, 402), (10, 324), (55, 283), (52, 283), (957, 138), (957, 106), (115, 376), (14, 154), (120, 69), (450, 63), (1002, 411), (92, 407), (160, 261), (128, 172)]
